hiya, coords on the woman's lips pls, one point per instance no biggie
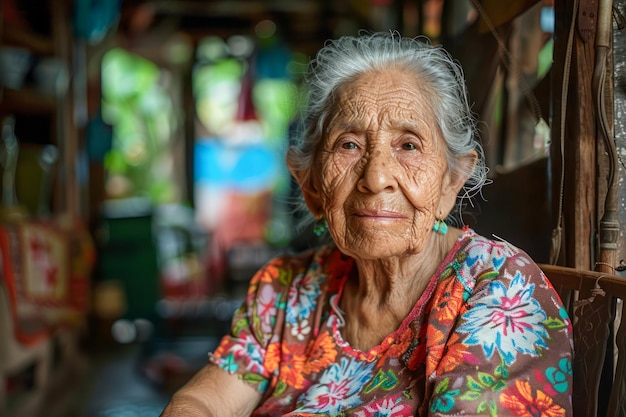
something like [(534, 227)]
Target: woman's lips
[(379, 214)]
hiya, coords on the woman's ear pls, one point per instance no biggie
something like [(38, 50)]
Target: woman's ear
[(465, 168), (310, 188), (455, 181)]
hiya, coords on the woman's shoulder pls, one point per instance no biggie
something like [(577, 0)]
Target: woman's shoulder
[(480, 261), (493, 263), (479, 253)]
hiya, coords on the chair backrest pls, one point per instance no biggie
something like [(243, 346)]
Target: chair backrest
[(595, 302)]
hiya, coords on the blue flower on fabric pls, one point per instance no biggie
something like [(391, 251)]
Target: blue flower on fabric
[(229, 364), (559, 378), (338, 388), (443, 397), (507, 319), (302, 297), (488, 253), (248, 350)]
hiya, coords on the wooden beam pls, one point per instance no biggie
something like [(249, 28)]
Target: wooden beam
[(574, 139), (67, 132)]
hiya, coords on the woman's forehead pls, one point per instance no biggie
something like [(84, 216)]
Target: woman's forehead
[(390, 96)]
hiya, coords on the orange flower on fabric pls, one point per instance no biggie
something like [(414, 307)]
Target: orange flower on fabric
[(447, 302), (445, 358), (434, 348), (269, 273), (224, 345), (272, 357), (292, 365), (397, 347), (322, 354), (519, 401)]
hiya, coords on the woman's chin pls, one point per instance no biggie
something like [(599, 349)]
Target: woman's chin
[(378, 247)]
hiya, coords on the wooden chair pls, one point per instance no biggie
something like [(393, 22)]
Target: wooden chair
[(595, 302)]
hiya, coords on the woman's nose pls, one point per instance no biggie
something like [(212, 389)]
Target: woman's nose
[(379, 173)]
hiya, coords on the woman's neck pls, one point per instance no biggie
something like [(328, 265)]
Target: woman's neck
[(382, 292)]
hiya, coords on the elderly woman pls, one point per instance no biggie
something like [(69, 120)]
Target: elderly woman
[(402, 314)]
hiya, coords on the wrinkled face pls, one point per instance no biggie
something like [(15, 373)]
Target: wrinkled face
[(383, 175)]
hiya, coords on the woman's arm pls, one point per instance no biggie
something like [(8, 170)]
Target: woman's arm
[(233, 382), (213, 392)]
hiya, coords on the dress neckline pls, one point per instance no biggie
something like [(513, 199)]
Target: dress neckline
[(336, 319)]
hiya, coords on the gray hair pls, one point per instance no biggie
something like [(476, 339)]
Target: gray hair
[(343, 60)]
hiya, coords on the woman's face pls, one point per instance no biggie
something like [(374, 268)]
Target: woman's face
[(383, 175)]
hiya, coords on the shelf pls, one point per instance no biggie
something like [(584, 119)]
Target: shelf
[(45, 29), (19, 37), (26, 100)]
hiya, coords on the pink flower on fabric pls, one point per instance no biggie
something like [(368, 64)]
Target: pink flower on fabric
[(386, 407), (266, 309)]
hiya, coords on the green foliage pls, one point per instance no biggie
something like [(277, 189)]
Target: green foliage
[(141, 112)]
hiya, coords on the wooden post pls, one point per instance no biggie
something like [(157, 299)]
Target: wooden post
[(67, 134), (607, 152), (574, 135), (619, 56)]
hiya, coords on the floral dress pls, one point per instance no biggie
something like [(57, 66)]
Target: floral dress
[(489, 336)]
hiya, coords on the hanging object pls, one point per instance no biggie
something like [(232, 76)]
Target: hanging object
[(94, 19), (246, 128), (245, 105)]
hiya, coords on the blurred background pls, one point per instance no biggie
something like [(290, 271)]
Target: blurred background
[(143, 175)]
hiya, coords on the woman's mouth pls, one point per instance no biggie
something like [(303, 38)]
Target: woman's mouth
[(379, 214)]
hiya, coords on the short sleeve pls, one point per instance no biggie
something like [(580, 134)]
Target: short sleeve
[(509, 349), (251, 348)]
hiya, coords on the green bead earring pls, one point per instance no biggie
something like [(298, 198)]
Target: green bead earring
[(320, 227), (440, 227)]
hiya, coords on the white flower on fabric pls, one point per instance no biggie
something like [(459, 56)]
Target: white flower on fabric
[(301, 329), (507, 319), (488, 253), (338, 388)]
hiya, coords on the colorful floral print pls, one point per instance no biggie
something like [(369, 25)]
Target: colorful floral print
[(386, 407), (489, 336), (266, 309), (321, 354), (338, 388), (521, 400), (293, 359), (509, 320), (302, 297)]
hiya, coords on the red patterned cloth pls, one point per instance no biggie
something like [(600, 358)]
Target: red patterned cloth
[(46, 269)]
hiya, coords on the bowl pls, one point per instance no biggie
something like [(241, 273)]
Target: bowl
[(14, 66)]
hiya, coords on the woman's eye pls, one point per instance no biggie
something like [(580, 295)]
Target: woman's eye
[(348, 145), (408, 146)]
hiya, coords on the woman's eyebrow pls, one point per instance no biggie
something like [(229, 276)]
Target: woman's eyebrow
[(340, 123)]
